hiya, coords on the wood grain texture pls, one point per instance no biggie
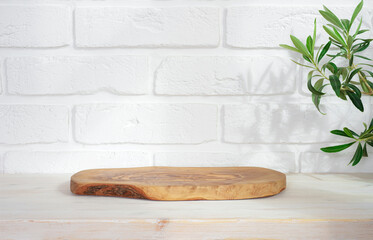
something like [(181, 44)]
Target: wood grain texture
[(314, 206), (180, 183)]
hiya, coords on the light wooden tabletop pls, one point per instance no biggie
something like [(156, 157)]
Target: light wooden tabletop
[(309, 199)]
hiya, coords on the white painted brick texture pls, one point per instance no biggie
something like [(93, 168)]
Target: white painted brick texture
[(147, 27), (77, 75), (107, 84), (73, 161), (33, 124), (269, 26), (216, 75), (145, 123), (280, 161), (35, 26), (333, 163), (1, 78), (288, 123)]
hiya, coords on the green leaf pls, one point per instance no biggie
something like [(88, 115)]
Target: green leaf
[(365, 40), (355, 100), (354, 133), (356, 11), (346, 24), (334, 36), (362, 31), (365, 64), (370, 84), (360, 47), (324, 51), (336, 84), (343, 71), (350, 41), (299, 45), (342, 41), (356, 90), (300, 64), (348, 132), (314, 35), (335, 56), (309, 45), (337, 148), (335, 43), (369, 72), (289, 48), (367, 136), (365, 152), (310, 87), (359, 56), (370, 143), (343, 95), (340, 133), (332, 67), (358, 28), (307, 58), (351, 61), (368, 131), (366, 126), (352, 74), (316, 98), (357, 156), (364, 85), (331, 17)]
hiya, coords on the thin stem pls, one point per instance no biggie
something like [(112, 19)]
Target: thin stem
[(366, 84), (361, 77), (318, 69), (365, 139)]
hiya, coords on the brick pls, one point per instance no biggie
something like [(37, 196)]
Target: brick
[(147, 27), (320, 162), (280, 161), (269, 26), (1, 163), (288, 123), (215, 75), (34, 26), (33, 124), (145, 123), (72, 161), (77, 75), (1, 77), (258, 26)]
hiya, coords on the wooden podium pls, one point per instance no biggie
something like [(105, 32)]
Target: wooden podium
[(180, 183)]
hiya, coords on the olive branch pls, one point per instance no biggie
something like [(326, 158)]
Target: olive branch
[(349, 82)]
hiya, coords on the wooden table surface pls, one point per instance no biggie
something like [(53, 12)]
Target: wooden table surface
[(314, 206)]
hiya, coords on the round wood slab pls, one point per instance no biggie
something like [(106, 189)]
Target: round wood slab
[(180, 183)]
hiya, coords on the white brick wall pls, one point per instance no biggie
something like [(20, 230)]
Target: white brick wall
[(280, 161), (147, 27), (334, 163), (145, 123), (60, 162), (33, 124), (288, 123), (77, 75), (105, 84), (34, 26), (224, 76), (267, 26)]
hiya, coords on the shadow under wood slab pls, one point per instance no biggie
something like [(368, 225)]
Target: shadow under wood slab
[(180, 183)]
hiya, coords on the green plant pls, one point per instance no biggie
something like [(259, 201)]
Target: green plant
[(348, 82)]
